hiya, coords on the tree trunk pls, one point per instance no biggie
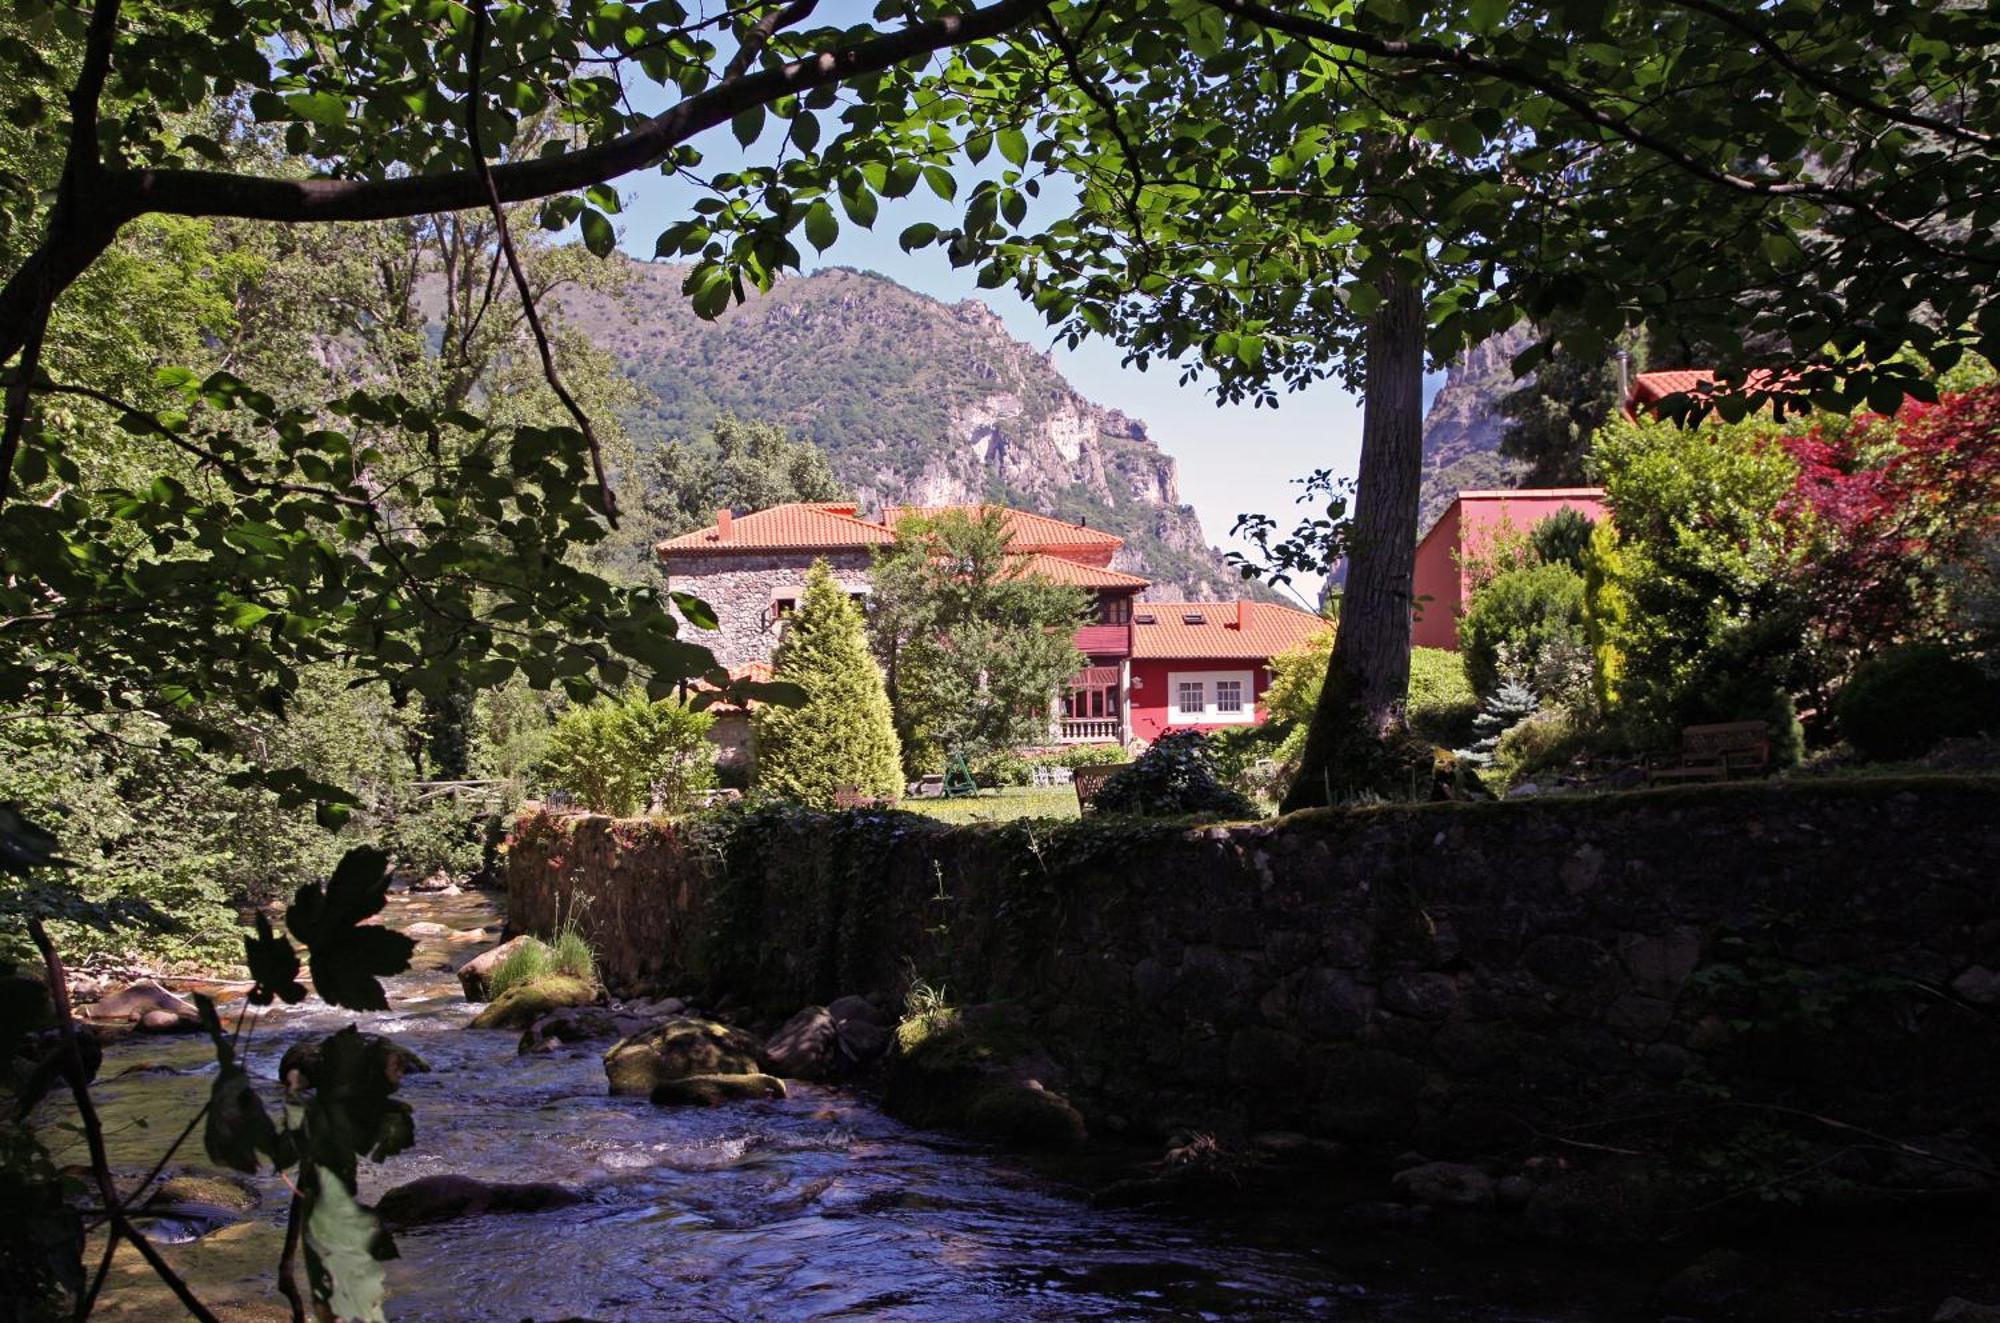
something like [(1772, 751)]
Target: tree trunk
[(1368, 675)]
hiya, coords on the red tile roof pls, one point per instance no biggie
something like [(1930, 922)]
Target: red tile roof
[(1030, 532), (1267, 629), (801, 526), (757, 672), (1060, 570), (1649, 388)]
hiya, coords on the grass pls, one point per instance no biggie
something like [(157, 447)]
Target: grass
[(1002, 805), (535, 959)]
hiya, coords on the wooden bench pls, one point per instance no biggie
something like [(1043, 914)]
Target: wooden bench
[(1717, 752), (1089, 780)]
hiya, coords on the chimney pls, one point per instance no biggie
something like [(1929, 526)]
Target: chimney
[(722, 522), (1242, 615)]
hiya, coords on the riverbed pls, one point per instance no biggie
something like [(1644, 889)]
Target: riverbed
[(818, 1206)]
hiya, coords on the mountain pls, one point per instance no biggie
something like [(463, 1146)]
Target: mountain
[(1462, 429), (915, 401)]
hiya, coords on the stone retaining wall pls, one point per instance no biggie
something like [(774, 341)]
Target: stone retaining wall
[(1456, 978)]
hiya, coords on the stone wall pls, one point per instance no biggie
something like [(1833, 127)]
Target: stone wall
[(740, 587), (1461, 979)]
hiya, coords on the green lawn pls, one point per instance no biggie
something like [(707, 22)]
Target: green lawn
[(1000, 805)]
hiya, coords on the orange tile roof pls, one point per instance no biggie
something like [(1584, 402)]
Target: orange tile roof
[(757, 672), (800, 526), (1268, 629), (1030, 532), (1059, 570)]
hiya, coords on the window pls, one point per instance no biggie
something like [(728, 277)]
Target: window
[(1193, 618), (781, 607), (1114, 609), (1211, 698)]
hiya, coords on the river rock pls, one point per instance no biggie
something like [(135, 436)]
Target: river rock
[(303, 1059), (221, 1192), (167, 1022), (426, 931), (979, 1070), (844, 1009), (1958, 1309), (517, 1008), (1446, 1185), (864, 1041), (437, 882), (677, 1049), (475, 976), (807, 1046), (572, 1024), (130, 1004), (1716, 1281), (440, 1198), (715, 1090)]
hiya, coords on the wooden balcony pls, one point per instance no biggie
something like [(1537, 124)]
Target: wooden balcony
[(1088, 730), (1104, 640)]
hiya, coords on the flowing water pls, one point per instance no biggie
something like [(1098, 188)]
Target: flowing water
[(815, 1207)]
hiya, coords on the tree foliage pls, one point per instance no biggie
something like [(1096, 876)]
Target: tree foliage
[(842, 736), (741, 465), (631, 755), (976, 644)]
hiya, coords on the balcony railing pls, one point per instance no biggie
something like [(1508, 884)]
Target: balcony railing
[(1088, 730)]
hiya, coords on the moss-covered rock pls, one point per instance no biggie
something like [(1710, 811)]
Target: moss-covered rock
[(715, 1090), (517, 1008), (203, 1192), (979, 1071), (677, 1049)]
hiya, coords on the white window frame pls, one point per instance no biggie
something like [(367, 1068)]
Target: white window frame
[(1208, 716)]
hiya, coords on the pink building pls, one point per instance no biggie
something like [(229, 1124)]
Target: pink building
[(1466, 530)]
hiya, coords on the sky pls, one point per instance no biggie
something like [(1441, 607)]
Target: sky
[(1233, 459)]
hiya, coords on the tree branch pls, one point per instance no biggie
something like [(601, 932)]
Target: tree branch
[(607, 501), (760, 33), (110, 198)]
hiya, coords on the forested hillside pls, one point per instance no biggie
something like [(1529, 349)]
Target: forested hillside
[(913, 400)]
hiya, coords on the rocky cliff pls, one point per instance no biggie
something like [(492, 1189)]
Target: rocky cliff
[(1462, 430), (914, 400)]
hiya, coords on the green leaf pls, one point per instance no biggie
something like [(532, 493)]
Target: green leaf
[(697, 612), (917, 236), (346, 956), (245, 615), (1013, 145), (345, 1244), (598, 236), (822, 228), (274, 965), (237, 1128), (748, 124)]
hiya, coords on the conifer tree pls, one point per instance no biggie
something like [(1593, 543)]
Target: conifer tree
[(843, 734)]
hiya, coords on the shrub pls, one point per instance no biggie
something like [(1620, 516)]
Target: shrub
[(1522, 611), (1004, 769), (1511, 704), (1080, 755), (570, 954), (843, 734), (1544, 739), (434, 837), (1442, 703), (1906, 701), (1176, 776), (1237, 750), (1563, 538), (630, 755)]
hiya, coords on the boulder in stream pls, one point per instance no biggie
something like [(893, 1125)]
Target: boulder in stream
[(807, 1046), (304, 1057), (475, 976), (677, 1049), (131, 1005), (715, 1090), (979, 1070), (571, 1024), (517, 1008), (441, 1198)]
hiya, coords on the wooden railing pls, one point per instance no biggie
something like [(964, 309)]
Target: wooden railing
[(1088, 730)]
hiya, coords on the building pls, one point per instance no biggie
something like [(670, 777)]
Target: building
[(1206, 665), (1147, 665), (1466, 530)]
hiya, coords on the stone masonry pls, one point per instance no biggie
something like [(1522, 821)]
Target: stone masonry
[(743, 589)]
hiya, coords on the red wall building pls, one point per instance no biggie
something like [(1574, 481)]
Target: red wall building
[(1465, 530), (1206, 665)]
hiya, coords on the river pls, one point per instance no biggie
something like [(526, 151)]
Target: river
[(815, 1207)]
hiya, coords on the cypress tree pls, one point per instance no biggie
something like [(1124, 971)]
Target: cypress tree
[(843, 735)]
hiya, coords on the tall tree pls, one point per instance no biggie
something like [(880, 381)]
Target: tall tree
[(842, 736), (1552, 415), (976, 645), (743, 464)]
